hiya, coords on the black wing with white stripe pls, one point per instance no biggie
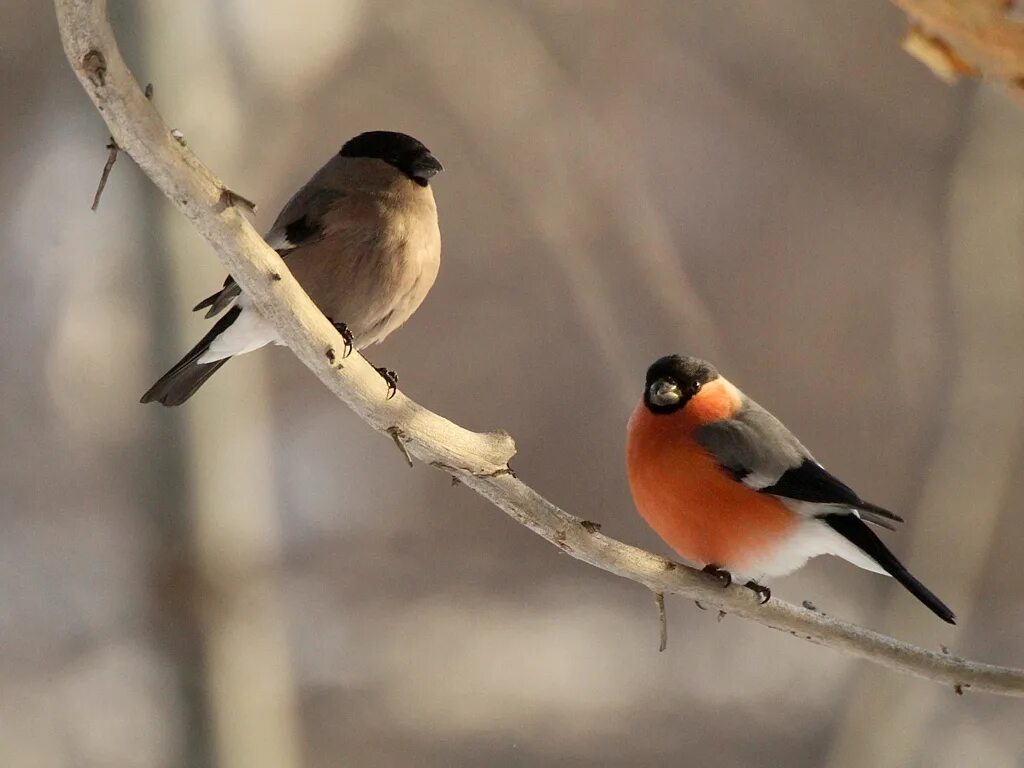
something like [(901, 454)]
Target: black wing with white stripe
[(761, 453), (758, 450)]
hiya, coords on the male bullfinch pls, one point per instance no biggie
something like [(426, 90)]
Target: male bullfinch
[(727, 486), (361, 237)]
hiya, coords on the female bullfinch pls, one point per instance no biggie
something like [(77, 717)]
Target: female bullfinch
[(727, 486), (362, 239)]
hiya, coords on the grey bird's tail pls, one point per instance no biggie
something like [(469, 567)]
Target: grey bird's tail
[(181, 382)]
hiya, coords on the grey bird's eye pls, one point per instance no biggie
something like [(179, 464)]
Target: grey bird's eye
[(665, 392)]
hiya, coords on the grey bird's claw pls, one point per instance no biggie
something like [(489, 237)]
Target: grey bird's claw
[(723, 576), (346, 336), (391, 378), (763, 593)]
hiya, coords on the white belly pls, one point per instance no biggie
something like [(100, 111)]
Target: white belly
[(249, 331)]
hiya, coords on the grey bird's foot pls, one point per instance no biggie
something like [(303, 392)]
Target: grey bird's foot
[(346, 336), (763, 593), (723, 576), (391, 378)]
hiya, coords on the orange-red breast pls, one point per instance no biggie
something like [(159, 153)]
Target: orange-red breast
[(728, 487)]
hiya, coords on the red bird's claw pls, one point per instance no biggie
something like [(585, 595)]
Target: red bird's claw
[(763, 593), (723, 576), (346, 336)]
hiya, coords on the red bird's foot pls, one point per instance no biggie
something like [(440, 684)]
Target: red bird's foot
[(346, 336), (763, 593), (723, 576)]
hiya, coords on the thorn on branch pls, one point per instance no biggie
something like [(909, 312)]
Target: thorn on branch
[(560, 541), (809, 606), (946, 652), (229, 199), (179, 137), (107, 167), (399, 437), (659, 600), (95, 67), (114, 149)]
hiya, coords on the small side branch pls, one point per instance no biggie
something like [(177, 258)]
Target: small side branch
[(659, 600), (111, 159)]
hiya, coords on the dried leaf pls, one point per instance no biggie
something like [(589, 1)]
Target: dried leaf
[(937, 55)]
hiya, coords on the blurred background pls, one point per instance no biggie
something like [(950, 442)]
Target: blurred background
[(257, 580)]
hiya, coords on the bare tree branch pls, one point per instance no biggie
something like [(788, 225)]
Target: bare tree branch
[(479, 460)]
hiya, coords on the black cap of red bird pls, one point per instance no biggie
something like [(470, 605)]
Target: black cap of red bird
[(728, 487)]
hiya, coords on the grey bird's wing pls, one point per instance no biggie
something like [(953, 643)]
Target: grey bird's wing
[(300, 223), (762, 454)]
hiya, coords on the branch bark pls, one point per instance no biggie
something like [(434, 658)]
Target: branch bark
[(479, 460)]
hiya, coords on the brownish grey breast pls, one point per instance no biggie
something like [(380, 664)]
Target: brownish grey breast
[(374, 256)]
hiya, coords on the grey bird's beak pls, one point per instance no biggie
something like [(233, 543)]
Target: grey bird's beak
[(425, 167)]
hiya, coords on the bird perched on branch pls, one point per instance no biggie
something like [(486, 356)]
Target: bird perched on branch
[(727, 486), (361, 237)]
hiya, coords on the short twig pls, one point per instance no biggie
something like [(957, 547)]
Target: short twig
[(111, 159), (399, 437), (659, 600), (231, 198)]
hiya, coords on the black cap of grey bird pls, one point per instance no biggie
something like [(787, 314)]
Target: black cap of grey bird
[(361, 237)]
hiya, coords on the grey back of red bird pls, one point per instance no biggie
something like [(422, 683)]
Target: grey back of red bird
[(760, 452), (764, 455)]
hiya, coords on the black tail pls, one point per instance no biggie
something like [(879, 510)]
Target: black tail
[(181, 382), (853, 528)]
